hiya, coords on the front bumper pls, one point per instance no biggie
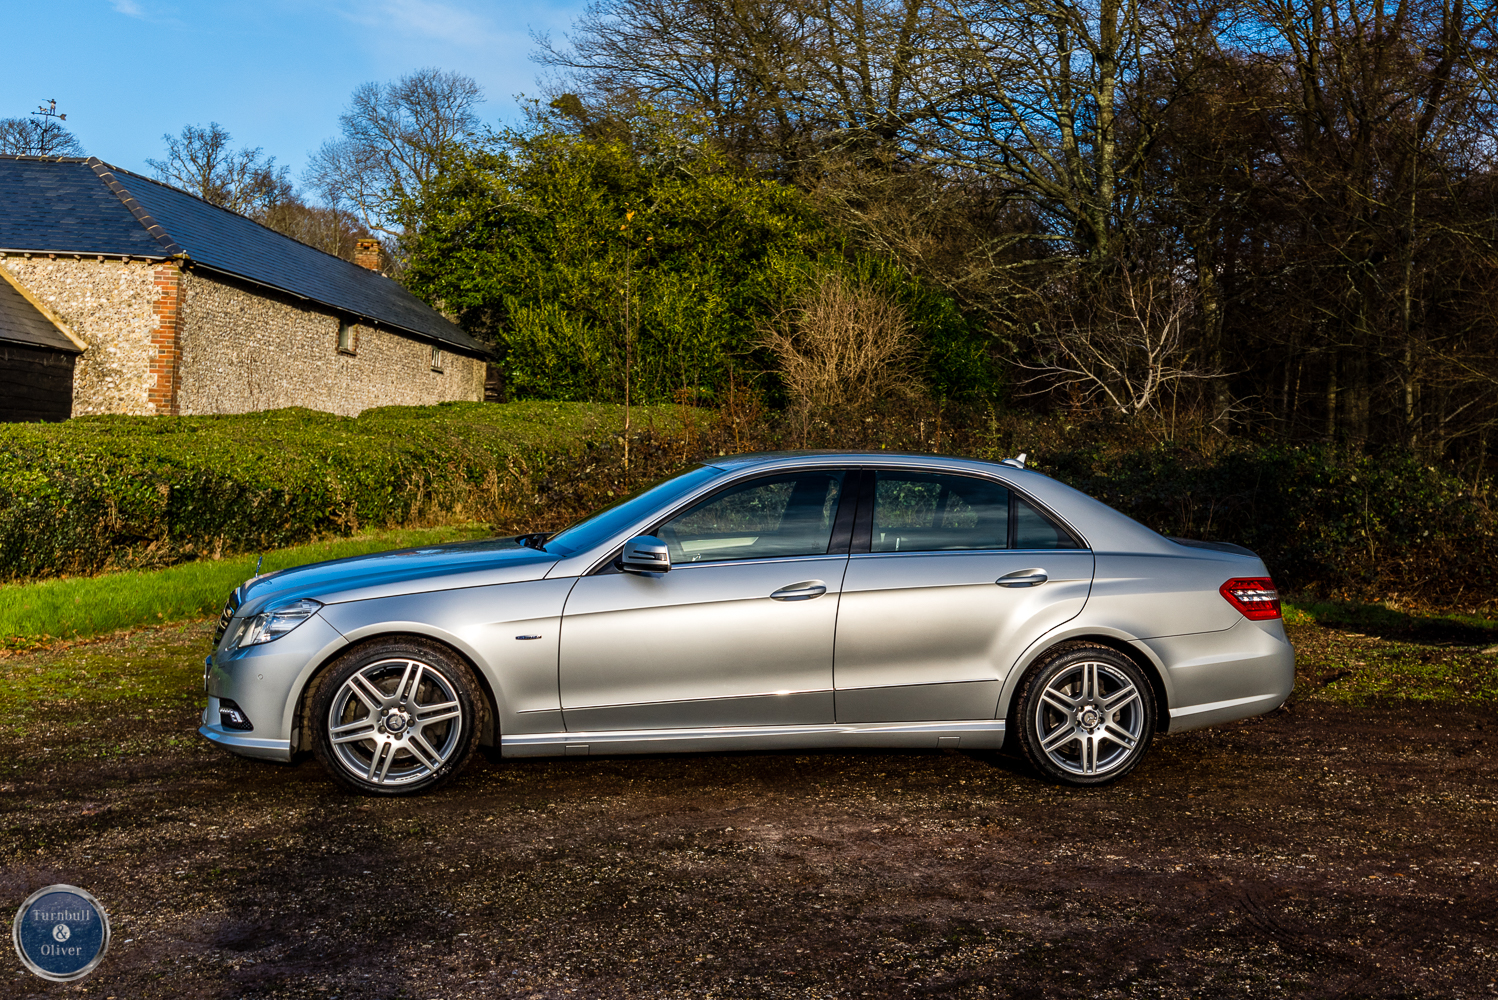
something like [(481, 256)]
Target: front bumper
[(266, 682), (244, 744)]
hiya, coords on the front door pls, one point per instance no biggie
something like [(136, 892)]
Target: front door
[(956, 577), (738, 633)]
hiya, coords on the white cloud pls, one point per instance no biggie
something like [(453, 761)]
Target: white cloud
[(444, 22), (127, 7)]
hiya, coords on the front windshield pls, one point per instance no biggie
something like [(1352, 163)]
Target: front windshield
[(617, 516)]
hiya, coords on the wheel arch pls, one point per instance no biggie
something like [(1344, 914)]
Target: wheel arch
[(302, 736), (1125, 645)]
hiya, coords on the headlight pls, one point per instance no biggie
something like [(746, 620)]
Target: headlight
[(272, 623)]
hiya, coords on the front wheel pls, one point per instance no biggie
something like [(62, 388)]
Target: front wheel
[(396, 718), (1086, 715)]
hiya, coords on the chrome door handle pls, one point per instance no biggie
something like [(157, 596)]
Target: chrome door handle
[(1023, 578), (800, 591)]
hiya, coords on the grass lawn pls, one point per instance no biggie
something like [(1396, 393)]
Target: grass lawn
[(33, 614)]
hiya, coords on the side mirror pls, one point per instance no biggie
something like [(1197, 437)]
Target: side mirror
[(645, 554)]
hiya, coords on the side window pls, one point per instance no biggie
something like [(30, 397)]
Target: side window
[(782, 516), (1033, 530), (921, 512)]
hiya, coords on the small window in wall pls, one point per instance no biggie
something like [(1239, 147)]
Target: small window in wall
[(436, 358), (346, 341)]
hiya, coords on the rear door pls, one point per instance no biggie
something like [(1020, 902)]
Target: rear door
[(950, 578)]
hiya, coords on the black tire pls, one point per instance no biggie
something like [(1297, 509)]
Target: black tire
[(1085, 715), (417, 702)]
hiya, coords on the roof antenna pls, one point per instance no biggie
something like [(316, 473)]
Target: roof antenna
[(1015, 463), (258, 562)]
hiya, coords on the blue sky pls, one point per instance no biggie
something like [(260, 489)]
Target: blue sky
[(275, 73)]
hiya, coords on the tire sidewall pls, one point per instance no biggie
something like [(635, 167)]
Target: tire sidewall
[(1035, 682), (451, 667)]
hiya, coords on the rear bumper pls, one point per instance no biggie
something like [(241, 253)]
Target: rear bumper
[(1235, 673)]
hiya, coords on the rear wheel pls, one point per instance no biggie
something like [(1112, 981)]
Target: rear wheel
[(1085, 715), (396, 718)]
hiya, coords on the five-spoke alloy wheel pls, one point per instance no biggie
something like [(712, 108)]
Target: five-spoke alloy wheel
[(395, 718), (1085, 715)]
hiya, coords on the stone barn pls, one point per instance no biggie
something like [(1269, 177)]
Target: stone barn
[(123, 295)]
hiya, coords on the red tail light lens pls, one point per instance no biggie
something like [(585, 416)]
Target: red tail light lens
[(1255, 597)]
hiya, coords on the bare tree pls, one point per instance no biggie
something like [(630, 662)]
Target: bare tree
[(394, 139), (1043, 98), (843, 344), (37, 137), (200, 161), (331, 230), (1124, 346), (783, 82)]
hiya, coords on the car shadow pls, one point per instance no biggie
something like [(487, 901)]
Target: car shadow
[(1392, 624)]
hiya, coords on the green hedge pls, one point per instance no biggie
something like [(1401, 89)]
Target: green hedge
[(99, 493)]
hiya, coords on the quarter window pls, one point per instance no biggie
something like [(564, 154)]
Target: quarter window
[(1033, 530), (777, 517)]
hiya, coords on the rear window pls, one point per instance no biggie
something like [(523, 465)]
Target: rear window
[(920, 512), (933, 512)]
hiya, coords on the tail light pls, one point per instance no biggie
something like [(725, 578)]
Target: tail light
[(1254, 596)]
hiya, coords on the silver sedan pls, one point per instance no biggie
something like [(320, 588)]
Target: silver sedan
[(760, 602)]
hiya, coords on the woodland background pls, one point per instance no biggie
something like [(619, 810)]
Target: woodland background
[(1159, 238)]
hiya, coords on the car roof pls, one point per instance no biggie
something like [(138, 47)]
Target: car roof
[(1100, 525), (770, 459)]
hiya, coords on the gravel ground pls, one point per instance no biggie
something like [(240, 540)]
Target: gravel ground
[(1322, 851)]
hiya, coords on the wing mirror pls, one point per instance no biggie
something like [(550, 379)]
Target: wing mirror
[(645, 554)]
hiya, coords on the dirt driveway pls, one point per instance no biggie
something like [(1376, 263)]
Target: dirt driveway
[(1322, 851)]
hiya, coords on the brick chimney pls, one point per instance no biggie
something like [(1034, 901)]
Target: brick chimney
[(367, 254)]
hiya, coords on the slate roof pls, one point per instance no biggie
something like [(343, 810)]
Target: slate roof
[(68, 205), (22, 323)]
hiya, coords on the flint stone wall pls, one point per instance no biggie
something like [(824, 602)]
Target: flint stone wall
[(240, 349), (110, 305), (244, 350)]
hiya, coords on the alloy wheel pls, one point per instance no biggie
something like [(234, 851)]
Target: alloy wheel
[(1090, 718), (395, 722)]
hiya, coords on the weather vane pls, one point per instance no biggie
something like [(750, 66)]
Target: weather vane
[(49, 110)]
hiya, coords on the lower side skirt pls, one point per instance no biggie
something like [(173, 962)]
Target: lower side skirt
[(985, 734)]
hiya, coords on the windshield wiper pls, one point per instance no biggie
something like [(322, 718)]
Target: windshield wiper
[(535, 540)]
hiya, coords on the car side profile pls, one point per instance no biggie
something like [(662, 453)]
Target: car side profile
[(760, 602)]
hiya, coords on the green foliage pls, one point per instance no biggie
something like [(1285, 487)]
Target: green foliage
[(956, 353), (568, 250), (101, 493)]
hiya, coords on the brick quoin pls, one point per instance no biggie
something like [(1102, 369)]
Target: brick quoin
[(166, 338)]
